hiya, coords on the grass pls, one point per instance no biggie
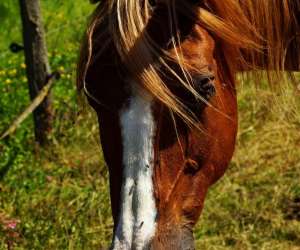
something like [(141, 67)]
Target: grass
[(58, 199)]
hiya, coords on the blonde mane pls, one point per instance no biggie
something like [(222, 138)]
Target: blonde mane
[(249, 34)]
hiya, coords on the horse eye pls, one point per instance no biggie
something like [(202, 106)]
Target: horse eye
[(205, 85)]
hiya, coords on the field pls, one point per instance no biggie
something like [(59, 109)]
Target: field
[(58, 198)]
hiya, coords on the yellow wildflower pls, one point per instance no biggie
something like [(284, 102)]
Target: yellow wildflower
[(23, 65), (7, 81), (12, 72), (24, 79)]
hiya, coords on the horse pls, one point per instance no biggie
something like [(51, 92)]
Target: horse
[(161, 77)]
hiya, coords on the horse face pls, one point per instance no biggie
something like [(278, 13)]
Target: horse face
[(160, 170)]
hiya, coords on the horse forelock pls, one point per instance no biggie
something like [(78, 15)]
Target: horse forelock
[(131, 27)]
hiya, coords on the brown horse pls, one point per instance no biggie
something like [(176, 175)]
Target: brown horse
[(161, 78)]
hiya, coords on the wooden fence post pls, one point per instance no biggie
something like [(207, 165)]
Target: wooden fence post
[(38, 69)]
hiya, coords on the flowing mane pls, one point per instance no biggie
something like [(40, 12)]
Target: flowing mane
[(250, 35)]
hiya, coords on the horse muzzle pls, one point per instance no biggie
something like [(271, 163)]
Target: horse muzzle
[(169, 239)]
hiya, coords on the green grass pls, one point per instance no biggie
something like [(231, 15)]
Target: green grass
[(58, 199)]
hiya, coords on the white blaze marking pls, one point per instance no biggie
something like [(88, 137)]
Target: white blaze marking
[(136, 225)]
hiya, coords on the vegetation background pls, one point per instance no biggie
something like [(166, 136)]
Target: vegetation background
[(58, 198)]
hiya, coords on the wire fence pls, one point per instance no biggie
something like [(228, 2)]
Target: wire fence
[(43, 93)]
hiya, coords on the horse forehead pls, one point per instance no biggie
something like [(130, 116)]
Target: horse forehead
[(197, 48)]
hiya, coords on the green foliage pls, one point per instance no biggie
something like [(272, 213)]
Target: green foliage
[(58, 199), (9, 24)]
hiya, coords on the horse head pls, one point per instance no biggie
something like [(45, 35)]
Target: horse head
[(160, 165)]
